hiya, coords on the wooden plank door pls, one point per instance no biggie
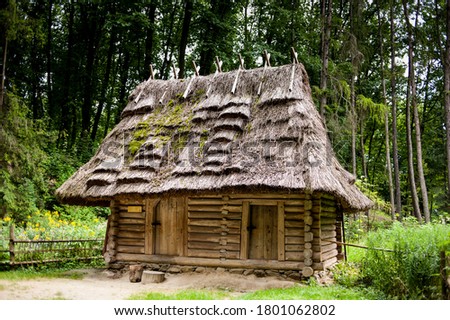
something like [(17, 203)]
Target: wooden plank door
[(168, 227), (263, 227)]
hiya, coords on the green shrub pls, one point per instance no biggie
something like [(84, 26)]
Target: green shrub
[(347, 274), (411, 270)]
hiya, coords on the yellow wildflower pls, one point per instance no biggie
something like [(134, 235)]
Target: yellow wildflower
[(6, 219)]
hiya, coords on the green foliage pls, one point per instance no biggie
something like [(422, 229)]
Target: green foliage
[(370, 191), (55, 226), (367, 106), (411, 271), (347, 274), (22, 170), (50, 225)]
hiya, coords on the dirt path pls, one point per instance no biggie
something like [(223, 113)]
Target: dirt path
[(97, 284)]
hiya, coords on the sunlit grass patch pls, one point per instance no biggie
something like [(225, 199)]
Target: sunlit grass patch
[(311, 292), (183, 295), (29, 274)]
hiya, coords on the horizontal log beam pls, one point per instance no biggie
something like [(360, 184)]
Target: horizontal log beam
[(213, 253), (205, 262)]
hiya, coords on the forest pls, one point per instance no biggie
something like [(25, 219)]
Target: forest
[(379, 72)]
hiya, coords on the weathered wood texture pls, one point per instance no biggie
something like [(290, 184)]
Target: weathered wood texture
[(330, 228), (213, 227), (152, 277), (263, 232), (112, 233), (129, 224), (208, 262), (135, 274), (289, 228), (294, 229)]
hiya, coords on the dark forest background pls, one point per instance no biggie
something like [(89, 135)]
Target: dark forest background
[(379, 70)]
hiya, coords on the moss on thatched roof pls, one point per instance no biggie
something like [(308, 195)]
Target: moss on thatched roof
[(207, 139)]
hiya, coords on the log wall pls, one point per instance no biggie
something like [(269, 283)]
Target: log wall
[(329, 221), (130, 219), (201, 230), (214, 226)]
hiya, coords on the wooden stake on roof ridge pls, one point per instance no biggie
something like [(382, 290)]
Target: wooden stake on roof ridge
[(196, 69), (152, 74), (266, 57), (174, 70), (151, 77), (241, 62), (241, 67), (162, 97), (218, 64), (294, 56)]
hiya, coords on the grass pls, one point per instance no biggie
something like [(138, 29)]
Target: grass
[(355, 254), (312, 292), (297, 292), (183, 295), (31, 273)]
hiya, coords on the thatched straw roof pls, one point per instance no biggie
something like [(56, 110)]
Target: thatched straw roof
[(216, 141)]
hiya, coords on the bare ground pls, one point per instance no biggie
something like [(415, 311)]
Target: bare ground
[(99, 284)]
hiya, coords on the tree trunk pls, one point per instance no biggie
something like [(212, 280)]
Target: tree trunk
[(51, 106), (447, 94), (105, 84), (326, 14), (111, 94), (123, 84), (184, 37), (363, 151), (67, 109), (420, 171), (398, 198), (92, 30), (166, 63), (149, 39), (35, 62), (412, 102), (411, 172), (386, 120), (2, 88), (354, 123)]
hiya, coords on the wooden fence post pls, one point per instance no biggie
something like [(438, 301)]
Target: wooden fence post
[(444, 278), (12, 239)]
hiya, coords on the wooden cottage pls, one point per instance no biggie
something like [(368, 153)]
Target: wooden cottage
[(230, 170)]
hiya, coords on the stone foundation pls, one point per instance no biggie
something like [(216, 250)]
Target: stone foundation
[(177, 269)]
